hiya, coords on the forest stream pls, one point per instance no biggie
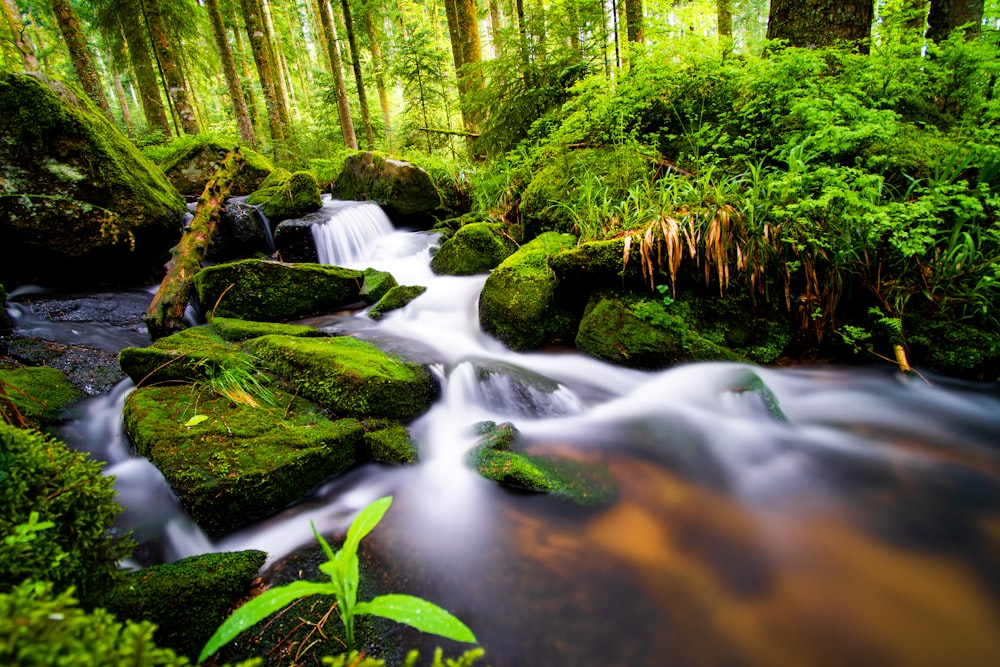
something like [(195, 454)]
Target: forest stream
[(764, 516)]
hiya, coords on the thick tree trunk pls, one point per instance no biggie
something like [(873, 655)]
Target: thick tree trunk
[(246, 78), (633, 21), (352, 42), (69, 26), (20, 36), (243, 124), (724, 11), (463, 29), (141, 58), (333, 55), (164, 50), (947, 15), (165, 314), (379, 67), (265, 72), (282, 89), (817, 23)]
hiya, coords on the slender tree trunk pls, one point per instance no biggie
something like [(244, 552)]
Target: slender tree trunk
[(261, 57), (243, 124), (724, 11), (145, 77), (123, 104), (277, 70), (163, 45), (378, 66), (947, 15), (463, 28), (246, 76), (69, 26), (633, 21), (496, 26), (817, 23), (20, 36), (333, 54), (358, 78)]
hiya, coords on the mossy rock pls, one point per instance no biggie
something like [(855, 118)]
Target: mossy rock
[(263, 291), (953, 348), (352, 377), (187, 356), (519, 303), (186, 600), (377, 284), (598, 265), (406, 192), (475, 248), (94, 210), (394, 299), (191, 161), (285, 195), (238, 331), (241, 464), (390, 443), (494, 459), (37, 393), (642, 332)]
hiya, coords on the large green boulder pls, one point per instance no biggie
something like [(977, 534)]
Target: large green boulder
[(79, 204), (285, 195), (191, 161), (350, 376), (599, 265), (35, 395), (478, 247), (231, 464), (260, 290), (519, 303), (190, 355)]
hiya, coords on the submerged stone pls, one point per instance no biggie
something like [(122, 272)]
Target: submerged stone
[(478, 247), (352, 377), (394, 299), (260, 290), (81, 205)]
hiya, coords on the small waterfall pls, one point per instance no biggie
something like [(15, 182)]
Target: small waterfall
[(348, 236)]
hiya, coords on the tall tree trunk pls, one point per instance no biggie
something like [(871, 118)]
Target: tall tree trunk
[(123, 104), (817, 23), (277, 68), (352, 42), (947, 15), (246, 76), (243, 124), (265, 72), (333, 55), (164, 50), (69, 26), (463, 28), (378, 66), (141, 58), (20, 36), (633, 21), (496, 26), (915, 19), (724, 11)]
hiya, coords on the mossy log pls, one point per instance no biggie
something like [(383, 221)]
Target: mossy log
[(165, 314)]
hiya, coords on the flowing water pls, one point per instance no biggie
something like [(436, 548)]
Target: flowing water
[(813, 516)]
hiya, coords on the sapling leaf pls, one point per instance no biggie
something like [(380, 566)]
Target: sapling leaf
[(323, 543), (259, 608), (418, 613), (194, 421), (364, 522)]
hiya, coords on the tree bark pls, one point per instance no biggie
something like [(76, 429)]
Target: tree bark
[(69, 26), (164, 50), (265, 72), (947, 15), (123, 104), (352, 42), (333, 55), (633, 21), (165, 314), (724, 11), (141, 58), (379, 67), (20, 36), (243, 124), (463, 29), (818, 23)]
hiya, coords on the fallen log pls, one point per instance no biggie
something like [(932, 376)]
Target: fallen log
[(165, 314)]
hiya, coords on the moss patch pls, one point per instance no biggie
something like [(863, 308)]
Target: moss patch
[(240, 464), (186, 356), (36, 393), (263, 291), (377, 283), (598, 265), (475, 248), (395, 298), (238, 331), (284, 195), (352, 377), (191, 161), (519, 302), (387, 442)]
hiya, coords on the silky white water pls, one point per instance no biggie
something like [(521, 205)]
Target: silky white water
[(812, 516)]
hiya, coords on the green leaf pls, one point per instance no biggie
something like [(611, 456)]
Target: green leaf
[(323, 543), (418, 613), (364, 522), (194, 421), (259, 608)]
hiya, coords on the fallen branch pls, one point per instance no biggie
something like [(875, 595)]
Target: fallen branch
[(458, 133)]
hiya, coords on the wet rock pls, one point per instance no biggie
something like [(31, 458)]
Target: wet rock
[(89, 369), (475, 248), (394, 299), (377, 285), (285, 195), (239, 233)]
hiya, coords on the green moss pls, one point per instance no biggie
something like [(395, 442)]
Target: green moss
[(65, 487), (241, 464), (238, 331), (387, 442), (395, 298), (191, 160), (598, 265), (519, 303), (495, 459), (352, 377), (953, 348), (475, 248), (186, 600), (269, 186), (377, 283), (185, 356), (264, 291), (37, 393)]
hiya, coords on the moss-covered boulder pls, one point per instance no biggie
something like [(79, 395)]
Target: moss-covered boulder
[(189, 355), (189, 599), (240, 232), (407, 193), (259, 290), (519, 302), (191, 161), (475, 248), (229, 464), (35, 395), (238, 331), (394, 299), (388, 442), (352, 377), (598, 265), (494, 458), (285, 195), (377, 285), (89, 207)]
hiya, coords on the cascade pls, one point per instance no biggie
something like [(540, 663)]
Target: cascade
[(349, 233)]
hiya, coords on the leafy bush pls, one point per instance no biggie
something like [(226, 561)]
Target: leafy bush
[(56, 509)]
